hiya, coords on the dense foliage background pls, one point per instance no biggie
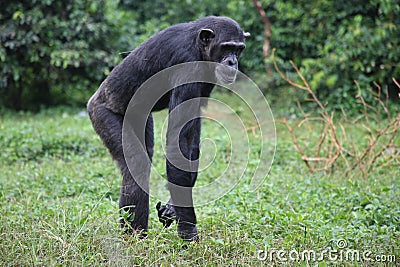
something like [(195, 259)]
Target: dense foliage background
[(58, 52)]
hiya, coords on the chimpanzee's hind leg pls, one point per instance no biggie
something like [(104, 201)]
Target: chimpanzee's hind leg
[(134, 201), (134, 190)]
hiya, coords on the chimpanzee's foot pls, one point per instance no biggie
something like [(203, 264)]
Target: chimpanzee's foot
[(166, 214), (129, 228), (187, 231)]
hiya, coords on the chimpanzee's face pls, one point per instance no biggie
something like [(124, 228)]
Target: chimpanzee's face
[(227, 54), (224, 48)]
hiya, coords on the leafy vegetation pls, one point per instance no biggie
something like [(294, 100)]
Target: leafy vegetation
[(59, 190), (58, 52), (53, 52)]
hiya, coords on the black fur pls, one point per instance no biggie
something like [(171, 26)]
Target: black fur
[(216, 39)]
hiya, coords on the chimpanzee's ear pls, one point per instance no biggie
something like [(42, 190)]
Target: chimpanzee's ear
[(246, 35), (206, 35)]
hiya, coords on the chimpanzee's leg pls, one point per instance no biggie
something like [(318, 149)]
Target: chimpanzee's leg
[(133, 199), (134, 190)]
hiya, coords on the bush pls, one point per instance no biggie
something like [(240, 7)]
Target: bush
[(52, 52)]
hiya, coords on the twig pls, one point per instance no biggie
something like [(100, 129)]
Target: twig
[(388, 143), (296, 143), (267, 27)]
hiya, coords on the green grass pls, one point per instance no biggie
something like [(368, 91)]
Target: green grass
[(59, 204)]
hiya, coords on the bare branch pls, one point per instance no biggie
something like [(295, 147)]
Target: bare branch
[(267, 28), (334, 145)]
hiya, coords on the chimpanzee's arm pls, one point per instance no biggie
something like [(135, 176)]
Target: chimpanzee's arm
[(183, 138)]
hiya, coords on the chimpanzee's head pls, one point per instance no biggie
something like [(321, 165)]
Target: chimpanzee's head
[(222, 41)]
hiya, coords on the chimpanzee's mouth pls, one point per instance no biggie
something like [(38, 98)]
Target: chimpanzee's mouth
[(225, 74)]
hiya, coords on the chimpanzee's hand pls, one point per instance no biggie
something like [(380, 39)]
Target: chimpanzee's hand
[(166, 214)]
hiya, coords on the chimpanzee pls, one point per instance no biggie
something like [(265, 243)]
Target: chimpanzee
[(211, 39)]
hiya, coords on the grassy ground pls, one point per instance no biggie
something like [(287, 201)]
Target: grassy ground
[(59, 206)]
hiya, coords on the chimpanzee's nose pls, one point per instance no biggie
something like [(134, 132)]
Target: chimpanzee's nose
[(232, 62)]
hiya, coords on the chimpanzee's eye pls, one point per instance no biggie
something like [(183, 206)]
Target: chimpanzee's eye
[(232, 49)]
